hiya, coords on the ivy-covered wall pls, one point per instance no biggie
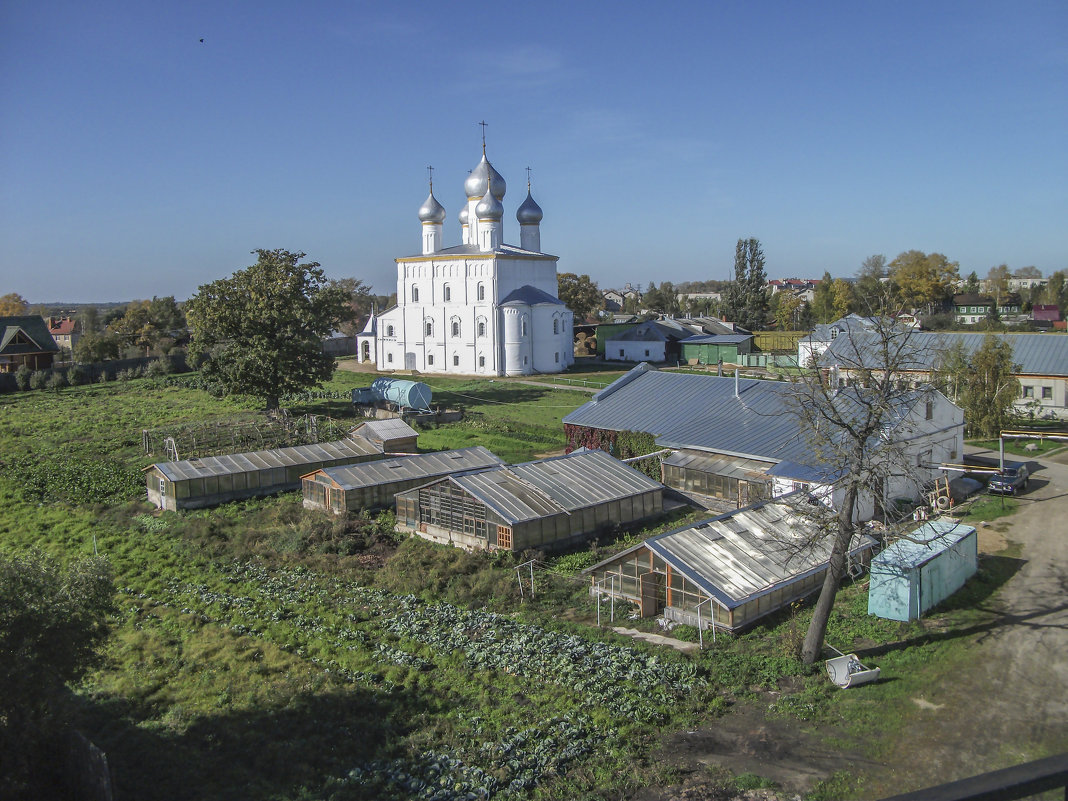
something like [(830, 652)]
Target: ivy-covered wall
[(621, 444)]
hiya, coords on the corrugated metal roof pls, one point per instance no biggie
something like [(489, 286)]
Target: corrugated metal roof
[(390, 428), (511, 498), (554, 486), (585, 479), (717, 339), (1037, 354), (720, 465), (923, 544), (750, 552), (259, 460), (406, 468), (687, 411)]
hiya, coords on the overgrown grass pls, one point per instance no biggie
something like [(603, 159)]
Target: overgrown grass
[(288, 654)]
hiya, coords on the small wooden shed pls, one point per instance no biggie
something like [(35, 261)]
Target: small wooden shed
[(912, 575), (547, 504), (212, 480), (391, 435), (374, 484)]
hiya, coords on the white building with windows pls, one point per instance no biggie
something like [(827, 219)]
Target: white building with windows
[(480, 307)]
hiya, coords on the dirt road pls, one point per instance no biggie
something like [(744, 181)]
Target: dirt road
[(1013, 704)]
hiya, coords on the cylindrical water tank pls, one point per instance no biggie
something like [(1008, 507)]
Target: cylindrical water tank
[(408, 394)]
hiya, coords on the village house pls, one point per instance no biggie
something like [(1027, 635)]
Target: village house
[(64, 332), (25, 340), (1040, 360), (737, 440)]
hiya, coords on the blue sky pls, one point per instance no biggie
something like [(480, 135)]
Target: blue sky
[(137, 161)]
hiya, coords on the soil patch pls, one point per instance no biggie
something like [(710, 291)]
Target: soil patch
[(746, 740)]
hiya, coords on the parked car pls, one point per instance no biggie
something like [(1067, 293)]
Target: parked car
[(1008, 481)]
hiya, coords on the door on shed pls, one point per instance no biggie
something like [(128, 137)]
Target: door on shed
[(652, 596)]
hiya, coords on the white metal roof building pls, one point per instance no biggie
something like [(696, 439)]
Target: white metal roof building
[(737, 567), (549, 503)]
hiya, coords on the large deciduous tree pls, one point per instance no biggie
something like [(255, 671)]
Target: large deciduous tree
[(13, 305), (53, 621), (924, 279), (745, 300), (264, 326), (580, 294), (361, 301), (997, 282), (988, 387)]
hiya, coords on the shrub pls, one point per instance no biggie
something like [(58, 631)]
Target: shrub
[(103, 377), (22, 377), (38, 379), (158, 367), (57, 381), (76, 376)]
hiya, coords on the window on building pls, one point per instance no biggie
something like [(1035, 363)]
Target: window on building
[(455, 360), (429, 329), (523, 327), (481, 361), (1029, 392), (448, 293), (430, 358), (415, 294), (389, 330), (556, 357), (556, 326), (621, 353), (481, 291), (482, 329), (1047, 393), (524, 360), (455, 328), (646, 354), (389, 357)]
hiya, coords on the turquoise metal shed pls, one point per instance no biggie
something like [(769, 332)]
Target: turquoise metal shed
[(914, 574)]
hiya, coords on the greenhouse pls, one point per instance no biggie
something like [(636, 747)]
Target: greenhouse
[(212, 480), (733, 569), (547, 504), (375, 484), (391, 435)]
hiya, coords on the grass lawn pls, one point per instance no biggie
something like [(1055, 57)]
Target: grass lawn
[(264, 651)]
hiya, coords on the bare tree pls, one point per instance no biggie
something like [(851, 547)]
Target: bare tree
[(857, 417)]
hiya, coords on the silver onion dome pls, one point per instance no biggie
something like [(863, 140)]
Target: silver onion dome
[(475, 185), (465, 217), (529, 212), (490, 207), (431, 211)]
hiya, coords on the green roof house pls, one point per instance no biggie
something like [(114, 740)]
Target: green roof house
[(25, 341)]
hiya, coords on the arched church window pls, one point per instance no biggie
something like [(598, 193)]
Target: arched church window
[(429, 328), (523, 327), (556, 326), (482, 329), (481, 291), (448, 293), (455, 328), (455, 361), (415, 294), (389, 330), (481, 361)]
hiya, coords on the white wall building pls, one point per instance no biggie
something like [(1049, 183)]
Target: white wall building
[(480, 307)]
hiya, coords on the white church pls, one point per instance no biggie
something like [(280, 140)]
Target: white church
[(481, 307)]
